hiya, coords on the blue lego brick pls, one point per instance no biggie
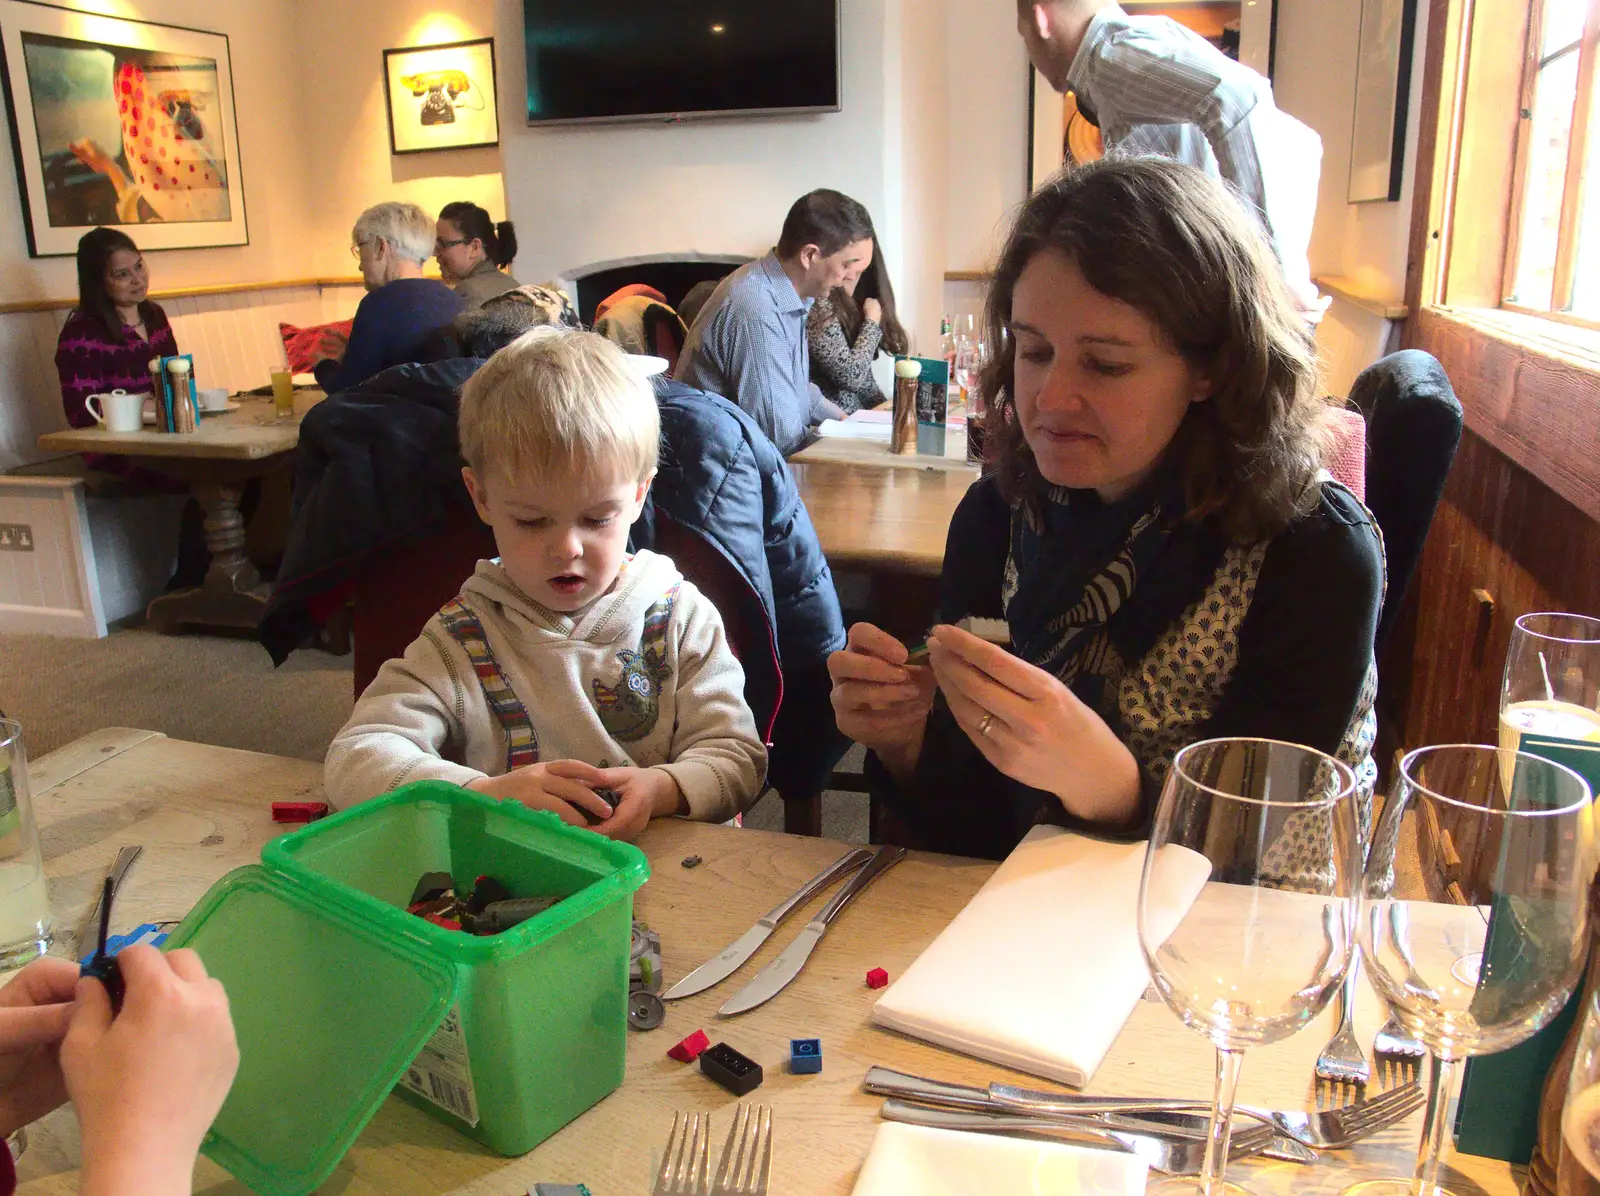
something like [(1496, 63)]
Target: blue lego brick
[(805, 1056)]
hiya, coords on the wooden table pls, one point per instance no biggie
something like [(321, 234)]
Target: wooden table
[(200, 811), (216, 461)]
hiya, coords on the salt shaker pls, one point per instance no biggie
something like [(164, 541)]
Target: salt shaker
[(158, 390), (183, 397), (903, 437)]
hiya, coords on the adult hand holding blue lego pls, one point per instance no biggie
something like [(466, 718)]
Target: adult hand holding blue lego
[(148, 1083), (564, 787)]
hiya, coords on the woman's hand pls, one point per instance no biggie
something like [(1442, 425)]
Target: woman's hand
[(35, 1010), (879, 700), (148, 1084), (872, 310), (1033, 728), (642, 794), (561, 786)]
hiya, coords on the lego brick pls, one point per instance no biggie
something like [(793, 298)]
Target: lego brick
[(877, 978), (299, 811), (729, 1068), (689, 1049), (805, 1056)]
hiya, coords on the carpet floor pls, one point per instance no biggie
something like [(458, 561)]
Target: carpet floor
[(224, 690)]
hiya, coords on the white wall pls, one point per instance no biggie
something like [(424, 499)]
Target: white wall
[(348, 164), (272, 146), (585, 194), (987, 84)]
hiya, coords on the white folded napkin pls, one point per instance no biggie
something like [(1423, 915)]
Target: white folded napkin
[(1043, 967), (930, 1162)]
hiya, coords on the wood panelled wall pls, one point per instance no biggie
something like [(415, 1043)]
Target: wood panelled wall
[(233, 336), (1502, 544)]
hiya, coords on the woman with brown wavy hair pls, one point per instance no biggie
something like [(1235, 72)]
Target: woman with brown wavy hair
[(1156, 531)]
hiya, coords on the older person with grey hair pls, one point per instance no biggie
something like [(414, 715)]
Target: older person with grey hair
[(401, 309)]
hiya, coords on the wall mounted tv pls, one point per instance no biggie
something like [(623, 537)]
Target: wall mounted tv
[(623, 60)]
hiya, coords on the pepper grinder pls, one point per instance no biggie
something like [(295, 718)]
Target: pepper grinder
[(903, 436), (183, 398)]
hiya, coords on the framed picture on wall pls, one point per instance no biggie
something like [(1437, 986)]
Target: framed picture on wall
[(441, 97), (1383, 86), (120, 122)]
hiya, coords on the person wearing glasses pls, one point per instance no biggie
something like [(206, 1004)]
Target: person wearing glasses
[(401, 309), (474, 252)]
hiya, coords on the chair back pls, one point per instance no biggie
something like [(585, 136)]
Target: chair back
[(1413, 428)]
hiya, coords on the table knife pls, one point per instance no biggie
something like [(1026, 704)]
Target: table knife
[(770, 981), (733, 956), (91, 921)]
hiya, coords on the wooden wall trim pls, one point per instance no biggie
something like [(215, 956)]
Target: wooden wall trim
[(230, 288), (1385, 307), (1536, 401)]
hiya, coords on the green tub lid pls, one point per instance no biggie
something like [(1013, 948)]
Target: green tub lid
[(329, 1012)]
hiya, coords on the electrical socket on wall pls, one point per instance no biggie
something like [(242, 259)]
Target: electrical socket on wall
[(16, 537)]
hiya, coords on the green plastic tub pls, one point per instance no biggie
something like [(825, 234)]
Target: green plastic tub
[(339, 995)]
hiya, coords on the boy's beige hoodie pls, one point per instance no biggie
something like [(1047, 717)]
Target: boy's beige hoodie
[(596, 687)]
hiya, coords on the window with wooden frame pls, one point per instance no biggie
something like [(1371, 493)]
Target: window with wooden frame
[(1552, 263)]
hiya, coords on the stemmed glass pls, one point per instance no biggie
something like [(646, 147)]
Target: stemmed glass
[(1265, 832), (1552, 681), (1477, 890)]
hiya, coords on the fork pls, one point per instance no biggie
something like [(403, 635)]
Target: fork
[(685, 1160), (1329, 1129), (1393, 1048), (1341, 1061), (745, 1168)]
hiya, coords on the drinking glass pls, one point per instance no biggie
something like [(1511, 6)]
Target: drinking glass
[(24, 906), (1477, 891), (283, 393), (1580, 1117), (1552, 681), (1265, 832)]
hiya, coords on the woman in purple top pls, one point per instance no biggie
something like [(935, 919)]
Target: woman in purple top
[(110, 337)]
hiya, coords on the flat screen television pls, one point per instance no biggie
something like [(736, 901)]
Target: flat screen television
[(618, 60)]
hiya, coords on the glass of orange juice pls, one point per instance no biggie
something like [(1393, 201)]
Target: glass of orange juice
[(283, 393)]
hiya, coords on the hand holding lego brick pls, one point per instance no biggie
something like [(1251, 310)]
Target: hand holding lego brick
[(564, 787)]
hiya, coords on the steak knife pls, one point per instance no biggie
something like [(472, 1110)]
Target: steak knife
[(733, 956), (770, 981)]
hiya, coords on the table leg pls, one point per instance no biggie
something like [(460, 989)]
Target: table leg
[(233, 594)]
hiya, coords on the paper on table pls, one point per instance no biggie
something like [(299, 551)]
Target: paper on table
[(1043, 967), (855, 428), (930, 1162)]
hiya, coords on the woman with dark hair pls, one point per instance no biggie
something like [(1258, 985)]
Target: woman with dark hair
[(473, 252), (846, 328), (109, 338), (1157, 532)]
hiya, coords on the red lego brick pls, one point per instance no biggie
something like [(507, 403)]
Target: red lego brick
[(689, 1049), (299, 811), (877, 978)]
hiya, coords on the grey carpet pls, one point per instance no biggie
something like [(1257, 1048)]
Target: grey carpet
[(222, 690)]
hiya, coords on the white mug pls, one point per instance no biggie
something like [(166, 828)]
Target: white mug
[(118, 411), (214, 398)]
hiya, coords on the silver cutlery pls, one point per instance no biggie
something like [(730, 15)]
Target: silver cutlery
[(685, 1167), (1341, 1061), (1327, 1129), (745, 1168), (1137, 1115), (733, 956), (1392, 1047), (772, 979), (91, 921), (1168, 1155)]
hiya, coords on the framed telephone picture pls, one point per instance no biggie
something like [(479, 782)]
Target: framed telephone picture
[(441, 97)]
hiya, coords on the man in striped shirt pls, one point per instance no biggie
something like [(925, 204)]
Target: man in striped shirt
[(1155, 87), (748, 343)]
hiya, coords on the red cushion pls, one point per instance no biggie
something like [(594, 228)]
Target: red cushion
[(300, 343), (1346, 450), (621, 293)]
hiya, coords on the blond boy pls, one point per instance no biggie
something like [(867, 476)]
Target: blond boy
[(565, 667)]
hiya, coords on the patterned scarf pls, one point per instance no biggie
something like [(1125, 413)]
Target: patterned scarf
[(1081, 561)]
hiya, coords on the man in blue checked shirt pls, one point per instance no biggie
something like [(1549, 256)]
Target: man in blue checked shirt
[(748, 343), (1155, 87)]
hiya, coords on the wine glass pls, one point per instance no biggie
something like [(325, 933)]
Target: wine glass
[(1477, 890), (1552, 681), (1265, 833)]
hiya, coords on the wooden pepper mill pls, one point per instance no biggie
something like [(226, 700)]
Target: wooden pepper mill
[(1553, 1171)]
